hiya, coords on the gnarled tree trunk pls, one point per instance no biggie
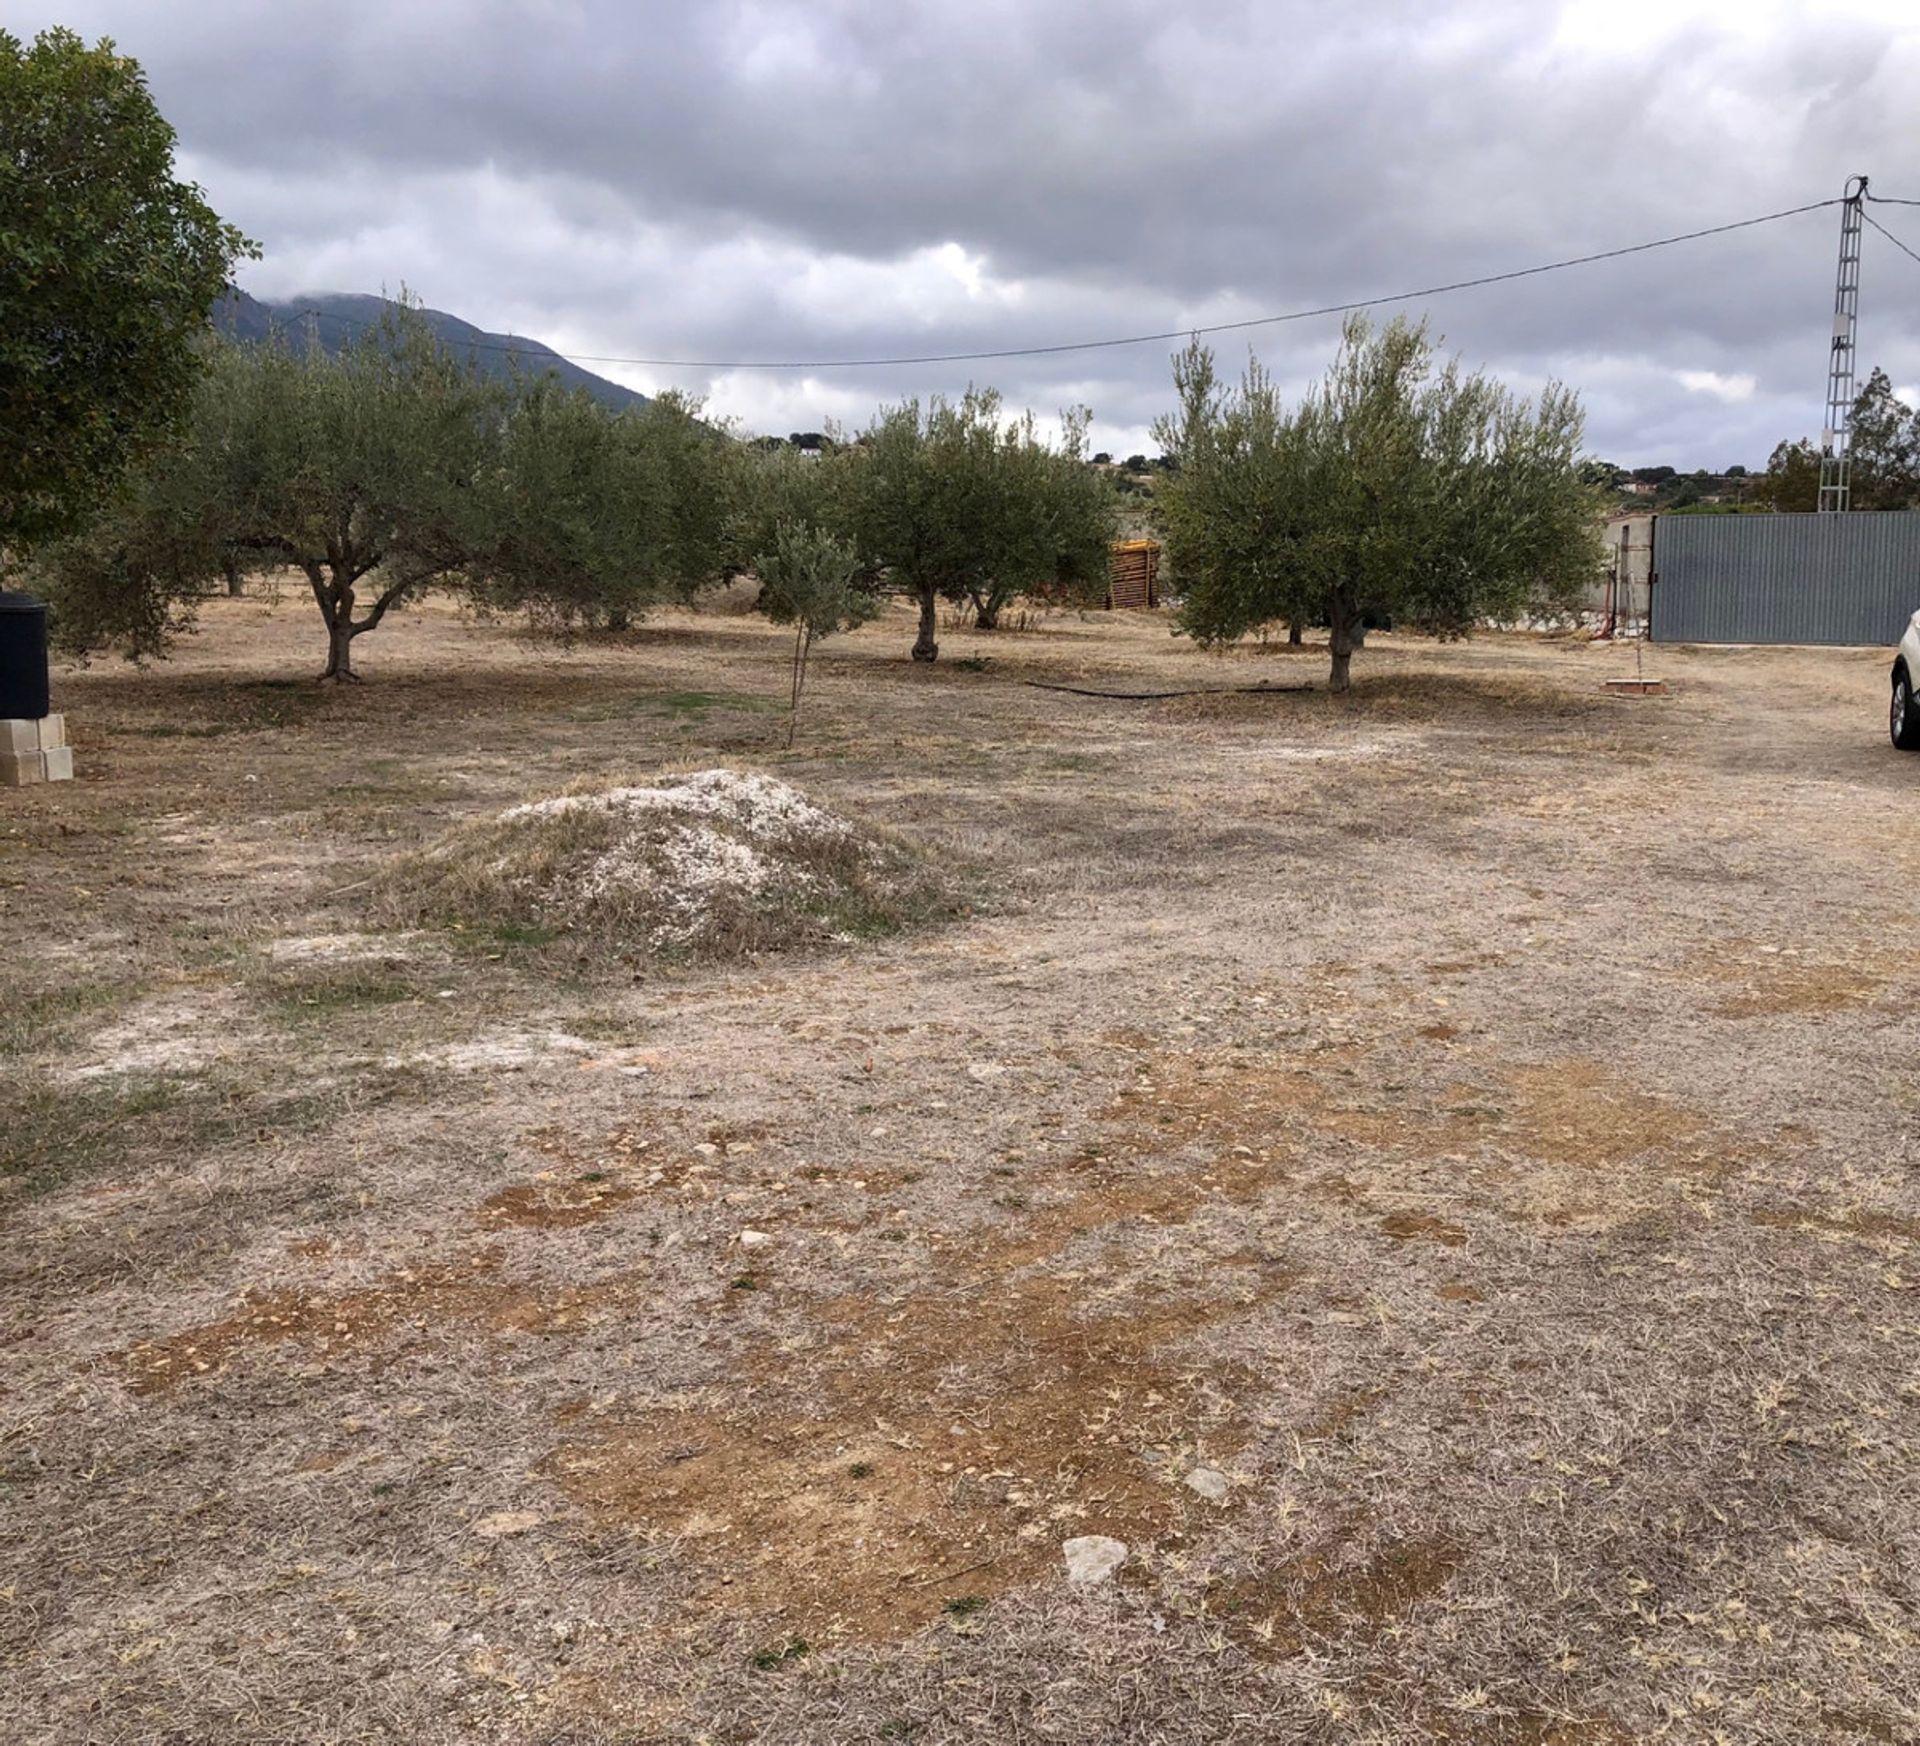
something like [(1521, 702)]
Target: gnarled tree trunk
[(332, 581), (340, 656), (337, 608), (926, 646), (1347, 634)]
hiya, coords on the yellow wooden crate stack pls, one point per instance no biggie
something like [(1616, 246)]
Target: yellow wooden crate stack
[(1134, 578)]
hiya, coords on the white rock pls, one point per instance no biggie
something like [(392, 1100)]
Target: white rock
[(753, 1239), (1093, 1558), (1210, 1483), (503, 1523)]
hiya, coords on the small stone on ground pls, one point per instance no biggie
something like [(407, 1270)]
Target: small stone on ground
[(1210, 1483), (1093, 1558), (503, 1523)]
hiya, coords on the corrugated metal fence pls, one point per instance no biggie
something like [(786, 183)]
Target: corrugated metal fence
[(1836, 578)]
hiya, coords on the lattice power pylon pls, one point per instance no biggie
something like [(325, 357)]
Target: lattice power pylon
[(1836, 440)]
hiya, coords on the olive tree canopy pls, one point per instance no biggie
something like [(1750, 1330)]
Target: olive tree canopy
[(593, 515), (954, 501), (1400, 486)]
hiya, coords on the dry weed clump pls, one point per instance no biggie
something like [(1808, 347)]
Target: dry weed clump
[(715, 865)]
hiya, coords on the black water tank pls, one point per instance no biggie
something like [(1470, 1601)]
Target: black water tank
[(23, 657)]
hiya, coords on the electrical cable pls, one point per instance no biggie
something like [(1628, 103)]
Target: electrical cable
[(1137, 339), (1882, 229)]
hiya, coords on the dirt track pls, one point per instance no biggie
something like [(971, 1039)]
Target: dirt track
[(1478, 1117)]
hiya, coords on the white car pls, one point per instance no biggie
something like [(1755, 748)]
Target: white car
[(1903, 719)]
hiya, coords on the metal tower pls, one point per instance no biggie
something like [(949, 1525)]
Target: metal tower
[(1836, 440)]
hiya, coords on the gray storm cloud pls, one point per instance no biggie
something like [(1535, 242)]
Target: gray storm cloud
[(830, 180)]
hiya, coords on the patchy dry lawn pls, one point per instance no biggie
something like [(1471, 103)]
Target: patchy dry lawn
[(1476, 1118)]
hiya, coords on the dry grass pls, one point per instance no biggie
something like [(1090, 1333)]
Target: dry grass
[(1475, 1117)]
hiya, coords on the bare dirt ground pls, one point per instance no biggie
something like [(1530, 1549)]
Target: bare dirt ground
[(1476, 1118)]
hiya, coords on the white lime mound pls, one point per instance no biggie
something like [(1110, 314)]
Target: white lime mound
[(718, 864)]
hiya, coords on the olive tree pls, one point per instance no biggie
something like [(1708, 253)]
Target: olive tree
[(695, 466), (954, 501), (580, 511), (363, 470), (131, 577), (809, 578), (770, 489), (1399, 486), (558, 502), (592, 515), (110, 268), (1235, 514)]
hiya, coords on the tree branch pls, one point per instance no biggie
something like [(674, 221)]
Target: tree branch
[(378, 610), (392, 596)]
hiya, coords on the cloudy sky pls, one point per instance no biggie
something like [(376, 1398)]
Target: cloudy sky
[(737, 182)]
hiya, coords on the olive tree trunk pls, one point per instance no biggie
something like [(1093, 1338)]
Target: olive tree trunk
[(332, 581), (340, 635), (926, 646), (1345, 619)]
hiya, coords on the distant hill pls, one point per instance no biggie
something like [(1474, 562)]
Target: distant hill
[(340, 315)]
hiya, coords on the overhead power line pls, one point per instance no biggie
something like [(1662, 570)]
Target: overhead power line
[(1134, 339), (1882, 229)]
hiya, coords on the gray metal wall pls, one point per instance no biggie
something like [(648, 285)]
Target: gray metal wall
[(1837, 578)]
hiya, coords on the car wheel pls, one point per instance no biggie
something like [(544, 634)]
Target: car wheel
[(1903, 715)]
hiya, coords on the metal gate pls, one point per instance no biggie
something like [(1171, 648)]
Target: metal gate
[(1850, 577)]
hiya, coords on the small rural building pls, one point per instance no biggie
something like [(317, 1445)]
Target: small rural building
[(1133, 579)]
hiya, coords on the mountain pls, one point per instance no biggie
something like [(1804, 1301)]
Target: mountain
[(336, 317)]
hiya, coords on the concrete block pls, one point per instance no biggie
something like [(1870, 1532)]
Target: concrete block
[(22, 769), (59, 763), (18, 734)]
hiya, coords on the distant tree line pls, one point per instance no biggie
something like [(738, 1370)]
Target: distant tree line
[(1883, 470), (147, 460), (391, 469), (1401, 489)]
